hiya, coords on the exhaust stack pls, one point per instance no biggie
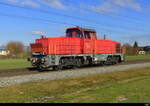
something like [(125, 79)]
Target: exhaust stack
[(105, 37)]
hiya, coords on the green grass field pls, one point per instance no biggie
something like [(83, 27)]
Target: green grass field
[(131, 86), (14, 63), (140, 57)]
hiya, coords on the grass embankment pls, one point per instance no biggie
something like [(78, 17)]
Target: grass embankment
[(13, 63), (140, 57), (127, 86)]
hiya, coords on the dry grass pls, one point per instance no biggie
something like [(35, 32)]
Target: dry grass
[(108, 87)]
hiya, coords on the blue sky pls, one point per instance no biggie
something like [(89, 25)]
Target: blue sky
[(122, 20)]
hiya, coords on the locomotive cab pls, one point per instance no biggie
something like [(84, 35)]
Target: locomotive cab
[(87, 38), (77, 32)]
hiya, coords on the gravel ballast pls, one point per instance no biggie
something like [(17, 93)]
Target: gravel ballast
[(7, 81)]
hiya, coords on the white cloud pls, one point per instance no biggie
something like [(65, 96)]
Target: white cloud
[(126, 3), (105, 6), (12, 1), (30, 3), (54, 3), (38, 33), (24, 3), (33, 3), (113, 6)]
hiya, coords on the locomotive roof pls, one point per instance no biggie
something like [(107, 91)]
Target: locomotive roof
[(89, 30), (83, 29)]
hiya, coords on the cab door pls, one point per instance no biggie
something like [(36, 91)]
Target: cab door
[(78, 41), (93, 38), (75, 41), (87, 43)]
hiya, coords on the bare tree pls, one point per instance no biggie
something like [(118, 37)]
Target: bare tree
[(16, 48), (129, 49)]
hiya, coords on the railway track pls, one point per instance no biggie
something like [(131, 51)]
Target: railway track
[(29, 71), (71, 73)]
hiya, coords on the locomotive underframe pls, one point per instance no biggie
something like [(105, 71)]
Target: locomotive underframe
[(59, 61)]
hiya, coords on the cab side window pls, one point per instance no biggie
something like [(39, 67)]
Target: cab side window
[(69, 33), (95, 36), (78, 34), (87, 35)]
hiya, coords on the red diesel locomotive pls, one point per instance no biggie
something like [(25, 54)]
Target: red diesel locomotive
[(79, 47)]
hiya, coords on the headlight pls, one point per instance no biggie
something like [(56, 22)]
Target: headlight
[(95, 59), (33, 60), (43, 60)]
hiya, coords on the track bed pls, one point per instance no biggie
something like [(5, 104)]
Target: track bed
[(29, 71)]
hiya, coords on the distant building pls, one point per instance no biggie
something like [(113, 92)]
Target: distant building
[(147, 49), (4, 52), (144, 50)]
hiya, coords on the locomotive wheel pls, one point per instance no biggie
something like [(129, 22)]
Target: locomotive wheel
[(90, 62), (109, 61), (103, 63), (78, 63), (56, 68), (60, 67), (116, 60)]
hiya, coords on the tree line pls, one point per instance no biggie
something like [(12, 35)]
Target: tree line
[(16, 50), (131, 50)]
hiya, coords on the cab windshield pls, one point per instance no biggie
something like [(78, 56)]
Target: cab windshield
[(69, 33), (74, 33)]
